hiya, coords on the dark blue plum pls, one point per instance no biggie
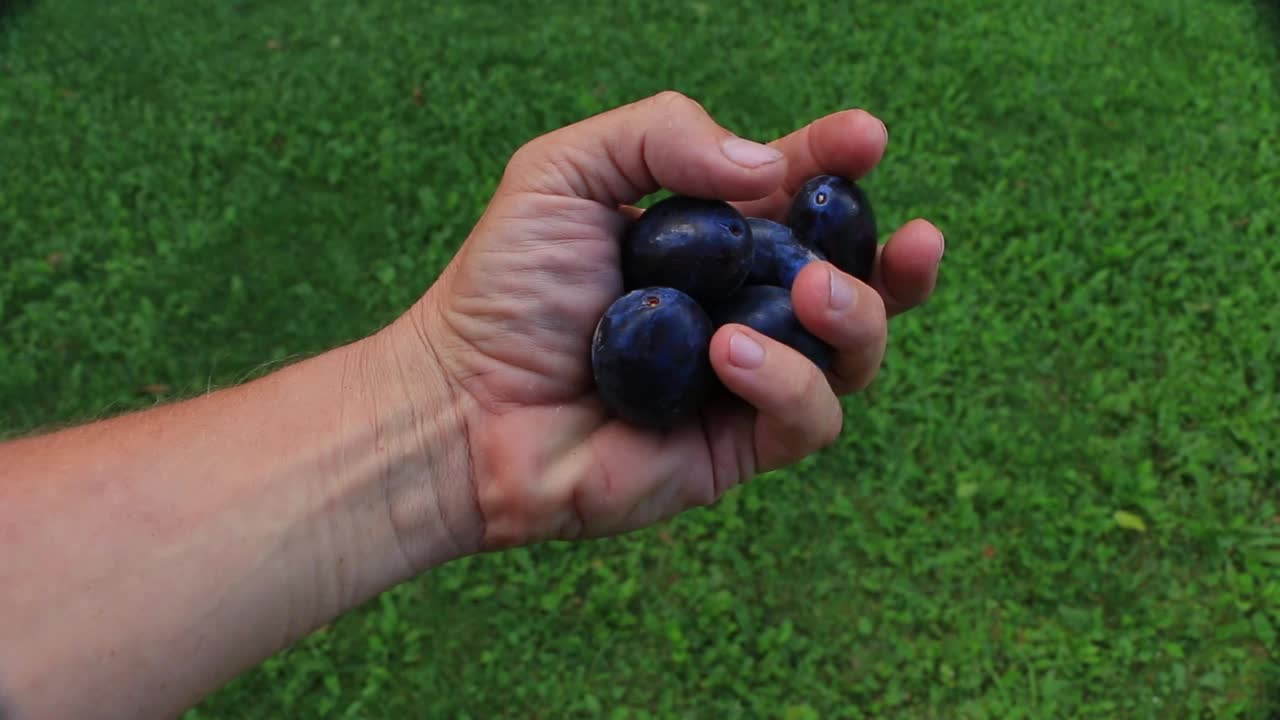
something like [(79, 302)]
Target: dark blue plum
[(834, 215), (767, 309), (651, 356), (700, 247), (779, 255)]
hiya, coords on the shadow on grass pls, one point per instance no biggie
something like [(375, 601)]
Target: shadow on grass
[(1269, 14), (1269, 10), (10, 9)]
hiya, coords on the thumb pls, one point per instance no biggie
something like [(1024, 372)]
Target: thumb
[(664, 141)]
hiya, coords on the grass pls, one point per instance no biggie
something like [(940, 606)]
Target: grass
[(1059, 500)]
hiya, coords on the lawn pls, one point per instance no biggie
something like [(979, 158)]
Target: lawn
[(1061, 498)]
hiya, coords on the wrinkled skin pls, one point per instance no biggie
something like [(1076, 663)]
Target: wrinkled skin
[(510, 321)]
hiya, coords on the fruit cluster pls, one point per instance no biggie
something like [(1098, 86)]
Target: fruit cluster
[(691, 265)]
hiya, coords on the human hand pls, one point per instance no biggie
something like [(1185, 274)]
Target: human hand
[(509, 323), (267, 509)]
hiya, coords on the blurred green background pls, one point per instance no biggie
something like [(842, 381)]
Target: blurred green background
[(1060, 499)]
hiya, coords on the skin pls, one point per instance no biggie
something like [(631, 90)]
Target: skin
[(150, 558)]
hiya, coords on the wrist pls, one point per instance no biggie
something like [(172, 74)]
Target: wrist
[(401, 406)]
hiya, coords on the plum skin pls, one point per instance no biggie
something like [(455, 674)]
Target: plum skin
[(779, 255), (650, 356), (701, 247), (767, 309), (834, 215)]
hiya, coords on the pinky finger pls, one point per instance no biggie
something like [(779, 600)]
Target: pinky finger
[(906, 269)]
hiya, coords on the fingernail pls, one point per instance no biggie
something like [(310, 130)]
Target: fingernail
[(884, 129), (842, 293), (745, 352), (748, 153), (942, 245)]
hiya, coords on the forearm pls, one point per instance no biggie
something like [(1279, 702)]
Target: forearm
[(147, 560)]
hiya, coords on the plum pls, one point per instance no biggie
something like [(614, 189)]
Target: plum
[(650, 356), (834, 215), (767, 309), (699, 246), (779, 254)]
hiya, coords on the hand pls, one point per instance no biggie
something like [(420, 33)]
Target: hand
[(510, 321)]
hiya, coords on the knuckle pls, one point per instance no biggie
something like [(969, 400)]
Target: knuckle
[(674, 101), (537, 150), (811, 386), (801, 396), (697, 489), (863, 383), (855, 379), (880, 311), (704, 493), (793, 393), (523, 158), (831, 430), (551, 165), (812, 422)]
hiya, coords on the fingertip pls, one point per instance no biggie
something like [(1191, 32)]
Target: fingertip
[(873, 129), (766, 373), (745, 359), (811, 290), (809, 294), (728, 346), (908, 265), (823, 295), (917, 230), (753, 171), (854, 140)]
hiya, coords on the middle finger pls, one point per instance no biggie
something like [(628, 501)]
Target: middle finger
[(847, 314)]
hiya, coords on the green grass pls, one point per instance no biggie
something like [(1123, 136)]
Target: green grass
[(192, 193)]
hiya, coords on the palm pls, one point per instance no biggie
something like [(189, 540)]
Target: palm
[(524, 295), (522, 302)]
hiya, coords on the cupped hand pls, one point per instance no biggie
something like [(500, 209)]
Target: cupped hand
[(510, 321)]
